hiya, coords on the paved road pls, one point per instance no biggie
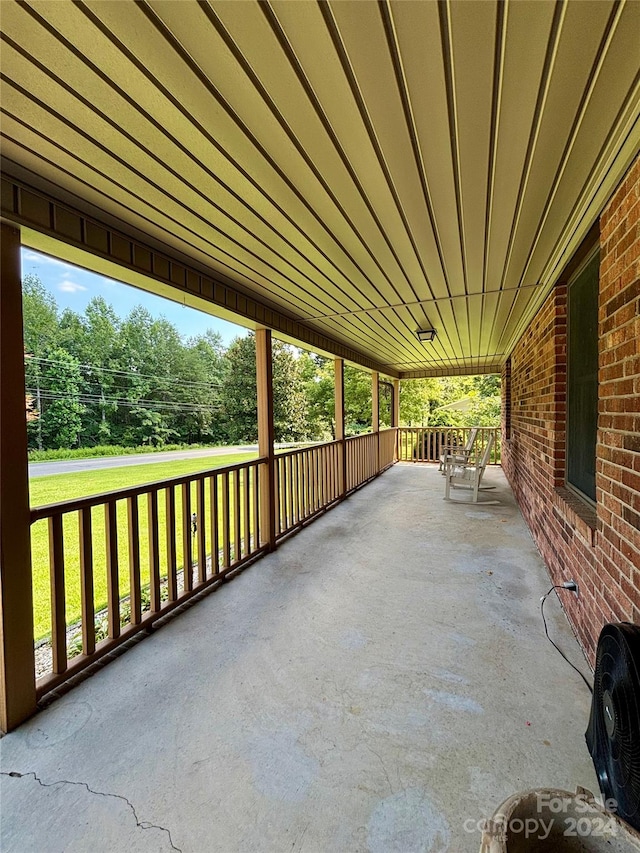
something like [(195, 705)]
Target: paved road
[(71, 466)]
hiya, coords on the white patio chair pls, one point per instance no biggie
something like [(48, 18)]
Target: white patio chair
[(469, 473), (451, 453)]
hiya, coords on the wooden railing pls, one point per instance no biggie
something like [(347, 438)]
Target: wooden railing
[(424, 444), (307, 482), (118, 561), (362, 459), (388, 442)]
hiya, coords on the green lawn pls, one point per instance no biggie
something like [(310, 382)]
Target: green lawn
[(61, 487)]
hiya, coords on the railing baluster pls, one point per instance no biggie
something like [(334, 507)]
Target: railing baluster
[(202, 541), (170, 538), (215, 544), (294, 469), (187, 551), (226, 532), (313, 483), (113, 584), (237, 534), (256, 506), (296, 482), (280, 486), (58, 609), (247, 513), (133, 530), (324, 454), (303, 486), (284, 490), (285, 479), (289, 506), (86, 581), (154, 551)]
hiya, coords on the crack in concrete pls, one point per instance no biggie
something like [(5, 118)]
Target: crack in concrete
[(142, 824), (384, 766)]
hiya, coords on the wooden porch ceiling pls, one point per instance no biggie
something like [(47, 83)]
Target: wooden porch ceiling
[(364, 168)]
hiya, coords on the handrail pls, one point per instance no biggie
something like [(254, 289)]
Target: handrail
[(47, 510)]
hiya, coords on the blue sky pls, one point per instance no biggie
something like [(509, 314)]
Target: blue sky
[(74, 288)]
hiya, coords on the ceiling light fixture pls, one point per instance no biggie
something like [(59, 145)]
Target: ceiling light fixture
[(426, 334)]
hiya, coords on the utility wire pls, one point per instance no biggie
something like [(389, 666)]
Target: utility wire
[(133, 373), (93, 399), (573, 666)]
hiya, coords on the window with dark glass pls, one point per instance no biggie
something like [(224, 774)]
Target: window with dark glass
[(582, 379)]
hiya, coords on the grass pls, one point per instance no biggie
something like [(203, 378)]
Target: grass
[(61, 487)]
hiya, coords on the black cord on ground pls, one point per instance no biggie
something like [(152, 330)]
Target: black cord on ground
[(546, 630)]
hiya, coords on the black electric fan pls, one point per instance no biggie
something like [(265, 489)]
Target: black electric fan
[(613, 735)]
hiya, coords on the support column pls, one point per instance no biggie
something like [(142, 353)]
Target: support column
[(395, 415), (395, 408), (264, 379), (338, 367), (17, 665), (375, 413)]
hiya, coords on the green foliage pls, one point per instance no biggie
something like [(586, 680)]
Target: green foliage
[(131, 382), (239, 399), (98, 380), (318, 383), (451, 401), (357, 400), (61, 420)]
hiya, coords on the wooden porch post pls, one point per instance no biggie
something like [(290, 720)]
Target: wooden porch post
[(395, 415), (17, 664), (268, 496), (375, 413), (338, 367)]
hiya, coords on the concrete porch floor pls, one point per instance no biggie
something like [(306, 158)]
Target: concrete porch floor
[(380, 683)]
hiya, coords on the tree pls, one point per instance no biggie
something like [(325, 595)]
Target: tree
[(451, 401), (289, 399), (97, 338), (317, 374), (40, 316), (61, 418), (238, 393), (357, 400), (239, 398), (200, 368)]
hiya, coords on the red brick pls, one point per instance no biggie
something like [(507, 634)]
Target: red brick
[(534, 460)]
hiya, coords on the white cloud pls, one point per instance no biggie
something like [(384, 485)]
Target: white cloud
[(67, 286)]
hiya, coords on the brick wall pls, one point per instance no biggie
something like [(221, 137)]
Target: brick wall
[(599, 548)]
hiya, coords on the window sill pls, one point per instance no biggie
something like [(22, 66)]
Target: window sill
[(580, 514)]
